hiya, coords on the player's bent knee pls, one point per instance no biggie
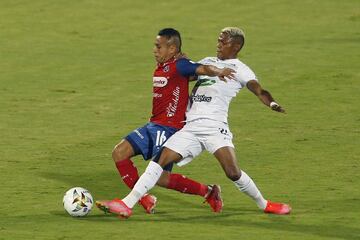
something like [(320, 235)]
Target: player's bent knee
[(122, 151), (116, 152), (164, 179), (166, 156), (233, 175)]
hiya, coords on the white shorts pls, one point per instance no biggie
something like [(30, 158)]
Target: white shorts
[(197, 136)]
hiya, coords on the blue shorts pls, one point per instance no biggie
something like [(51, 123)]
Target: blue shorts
[(147, 140)]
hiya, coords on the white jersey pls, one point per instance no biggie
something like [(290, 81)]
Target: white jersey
[(211, 96)]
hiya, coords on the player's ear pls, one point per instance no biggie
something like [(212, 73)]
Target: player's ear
[(237, 47), (173, 48)]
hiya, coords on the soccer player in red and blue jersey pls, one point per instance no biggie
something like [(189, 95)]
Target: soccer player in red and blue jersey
[(170, 98)]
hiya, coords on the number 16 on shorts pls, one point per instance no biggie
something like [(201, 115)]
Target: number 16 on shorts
[(160, 138)]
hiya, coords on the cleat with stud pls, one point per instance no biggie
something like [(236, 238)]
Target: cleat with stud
[(148, 202), (213, 198), (115, 206), (277, 208)]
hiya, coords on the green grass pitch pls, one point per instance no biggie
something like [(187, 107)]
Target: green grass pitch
[(75, 76)]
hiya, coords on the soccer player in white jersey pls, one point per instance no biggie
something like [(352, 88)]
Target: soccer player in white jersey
[(207, 128)]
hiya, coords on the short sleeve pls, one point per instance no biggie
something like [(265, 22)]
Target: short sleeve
[(186, 68), (204, 61), (244, 74)]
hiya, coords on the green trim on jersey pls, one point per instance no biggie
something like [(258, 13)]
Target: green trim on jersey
[(205, 82)]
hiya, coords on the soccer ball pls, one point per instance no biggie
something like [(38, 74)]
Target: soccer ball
[(78, 201)]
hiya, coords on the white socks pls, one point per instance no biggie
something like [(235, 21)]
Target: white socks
[(246, 185), (146, 182), (153, 172)]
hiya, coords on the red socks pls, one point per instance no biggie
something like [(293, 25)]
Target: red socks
[(183, 184), (128, 172), (178, 182)]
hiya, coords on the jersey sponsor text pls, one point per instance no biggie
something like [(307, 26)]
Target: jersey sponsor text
[(201, 98), (160, 81), (171, 109)]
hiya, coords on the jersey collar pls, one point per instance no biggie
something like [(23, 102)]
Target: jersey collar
[(171, 60)]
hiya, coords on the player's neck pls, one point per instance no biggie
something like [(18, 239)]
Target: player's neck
[(228, 57), (167, 61)]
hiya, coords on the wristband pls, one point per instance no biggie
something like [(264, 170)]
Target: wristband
[(273, 104)]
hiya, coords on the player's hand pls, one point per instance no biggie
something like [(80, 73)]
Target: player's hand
[(276, 107), (226, 73)]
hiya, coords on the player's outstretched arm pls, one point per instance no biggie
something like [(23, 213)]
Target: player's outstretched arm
[(264, 96), (213, 71)]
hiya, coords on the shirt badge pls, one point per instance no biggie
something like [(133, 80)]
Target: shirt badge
[(166, 68)]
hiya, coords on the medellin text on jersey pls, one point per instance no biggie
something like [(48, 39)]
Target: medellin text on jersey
[(211, 97), (171, 92)]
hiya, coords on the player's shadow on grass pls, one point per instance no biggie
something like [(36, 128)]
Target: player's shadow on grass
[(229, 219), (91, 217), (105, 185), (278, 223)]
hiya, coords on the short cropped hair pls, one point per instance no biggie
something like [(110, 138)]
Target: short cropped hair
[(236, 34), (173, 37)]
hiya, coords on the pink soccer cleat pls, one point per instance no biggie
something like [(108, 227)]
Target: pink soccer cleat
[(115, 206), (213, 198), (148, 202), (277, 208)]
